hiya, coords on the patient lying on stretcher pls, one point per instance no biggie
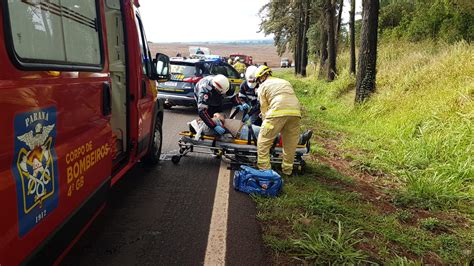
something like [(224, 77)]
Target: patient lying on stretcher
[(236, 128)]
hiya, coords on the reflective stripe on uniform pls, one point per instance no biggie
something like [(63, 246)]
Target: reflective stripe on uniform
[(248, 98), (287, 169), (283, 112), (202, 106), (252, 97)]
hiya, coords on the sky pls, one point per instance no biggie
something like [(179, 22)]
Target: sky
[(206, 20), (201, 20)]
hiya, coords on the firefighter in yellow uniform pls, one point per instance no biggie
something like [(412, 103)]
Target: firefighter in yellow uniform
[(280, 109), (239, 66)]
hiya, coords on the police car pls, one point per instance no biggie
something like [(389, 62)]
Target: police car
[(185, 73)]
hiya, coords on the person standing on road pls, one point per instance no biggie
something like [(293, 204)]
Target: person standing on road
[(210, 93), (280, 110), (248, 96), (239, 66)]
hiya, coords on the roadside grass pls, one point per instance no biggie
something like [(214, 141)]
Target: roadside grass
[(320, 222), (418, 127), (415, 135)]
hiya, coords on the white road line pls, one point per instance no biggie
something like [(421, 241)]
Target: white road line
[(216, 241)]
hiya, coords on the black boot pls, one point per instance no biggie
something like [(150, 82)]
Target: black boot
[(305, 137)]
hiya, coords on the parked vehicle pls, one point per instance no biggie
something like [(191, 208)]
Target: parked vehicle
[(198, 50), (247, 60), (202, 53), (79, 108), (179, 90), (285, 62)]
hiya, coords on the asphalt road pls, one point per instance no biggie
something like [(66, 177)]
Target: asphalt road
[(162, 215)]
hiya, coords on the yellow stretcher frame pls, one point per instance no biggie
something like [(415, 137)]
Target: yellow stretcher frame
[(234, 141), (236, 151)]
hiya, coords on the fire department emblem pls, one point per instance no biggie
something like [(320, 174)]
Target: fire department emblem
[(35, 167)]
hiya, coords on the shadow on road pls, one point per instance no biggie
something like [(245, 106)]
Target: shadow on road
[(182, 110)]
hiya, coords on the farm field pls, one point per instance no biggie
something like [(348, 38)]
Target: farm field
[(261, 53)]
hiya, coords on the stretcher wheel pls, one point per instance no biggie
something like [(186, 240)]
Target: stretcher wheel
[(218, 154), (175, 159), (301, 168)]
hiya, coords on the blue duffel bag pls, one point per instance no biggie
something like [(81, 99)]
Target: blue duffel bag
[(261, 182)]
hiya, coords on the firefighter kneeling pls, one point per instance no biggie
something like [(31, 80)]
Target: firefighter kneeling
[(280, 109)]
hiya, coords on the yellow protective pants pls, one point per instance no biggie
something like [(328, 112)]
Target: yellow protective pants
[(289, 127)]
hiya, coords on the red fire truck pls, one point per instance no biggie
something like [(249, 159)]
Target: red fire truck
[(248, 60), (79, 108)]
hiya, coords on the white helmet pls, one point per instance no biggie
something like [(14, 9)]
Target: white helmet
[(220, 83), (236, 58), (250, 76)]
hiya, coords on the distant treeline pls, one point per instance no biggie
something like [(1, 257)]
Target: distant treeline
[(446, 20)]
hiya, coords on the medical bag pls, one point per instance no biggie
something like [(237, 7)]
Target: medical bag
[(260, 182)]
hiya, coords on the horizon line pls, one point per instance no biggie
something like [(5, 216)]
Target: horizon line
[(219, 41)]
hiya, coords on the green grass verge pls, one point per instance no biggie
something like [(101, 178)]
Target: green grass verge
[(419, 126), (418, 130), (322, 223)]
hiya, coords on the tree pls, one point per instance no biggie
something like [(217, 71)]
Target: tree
[(297, 51), (447, 20), (366, 72), (339, 22), (278, 18), (329, 7), (304, 48), (314, 28), (299, 41), (289, 22), (324, 46), (352, 68)]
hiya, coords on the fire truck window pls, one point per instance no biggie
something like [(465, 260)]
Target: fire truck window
[(80, 34), (55, 31), (145, 55)]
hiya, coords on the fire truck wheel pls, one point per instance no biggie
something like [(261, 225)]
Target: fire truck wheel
[(175, 159), (154, 153)]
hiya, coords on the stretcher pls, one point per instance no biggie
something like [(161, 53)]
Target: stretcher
[(236, 152)]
